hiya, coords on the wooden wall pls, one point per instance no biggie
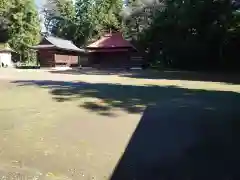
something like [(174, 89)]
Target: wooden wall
[(115, 60), (46, 57), (53, 58), (66, 58)]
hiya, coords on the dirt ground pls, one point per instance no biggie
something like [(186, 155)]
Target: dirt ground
[(66, 125)]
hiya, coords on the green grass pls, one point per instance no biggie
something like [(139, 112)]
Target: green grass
[(42, 136), (79, 130)]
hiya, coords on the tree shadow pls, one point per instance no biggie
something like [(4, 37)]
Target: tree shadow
[(104, 97), (190, 139), (224, 77), (183, 134), (227, 77), (27, 67), (91, 71)]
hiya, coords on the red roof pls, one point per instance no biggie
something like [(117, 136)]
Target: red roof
[(114, 40)]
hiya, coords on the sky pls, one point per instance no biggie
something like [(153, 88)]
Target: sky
[(40, 2)]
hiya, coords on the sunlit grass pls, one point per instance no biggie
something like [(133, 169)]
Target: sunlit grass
[(49, 135)]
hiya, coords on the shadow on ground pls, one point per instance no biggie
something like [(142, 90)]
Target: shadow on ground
[(231, 78), (27, 67), (189, 139), (92, 71), (130, 98), (183, 134)]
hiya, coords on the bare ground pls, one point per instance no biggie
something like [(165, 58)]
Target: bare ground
[(77, 126)]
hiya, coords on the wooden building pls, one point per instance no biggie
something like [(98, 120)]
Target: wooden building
[(53, 52), (113, 51)]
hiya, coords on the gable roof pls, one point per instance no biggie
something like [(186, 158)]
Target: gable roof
[(59, 43), (114, 40)]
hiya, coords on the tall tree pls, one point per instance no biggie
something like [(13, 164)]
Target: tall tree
[(97, 17), (22, 24), (59, 18), (85, 19), (82, 21), (108, 15), (187, 34), (4, 22)]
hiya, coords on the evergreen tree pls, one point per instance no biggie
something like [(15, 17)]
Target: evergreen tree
[(83, 21), (4, 22), (23, 26), (59, 18)]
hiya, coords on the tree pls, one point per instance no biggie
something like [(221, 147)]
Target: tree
[(65, 20), (4, 30), (86, 20), (60, 18), (186, 34), (97, 18), (83, 21), (231, 48), (108, 15), (22, 26), (4, 22)]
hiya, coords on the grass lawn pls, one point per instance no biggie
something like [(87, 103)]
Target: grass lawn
[(42, 136), (58, 126)]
